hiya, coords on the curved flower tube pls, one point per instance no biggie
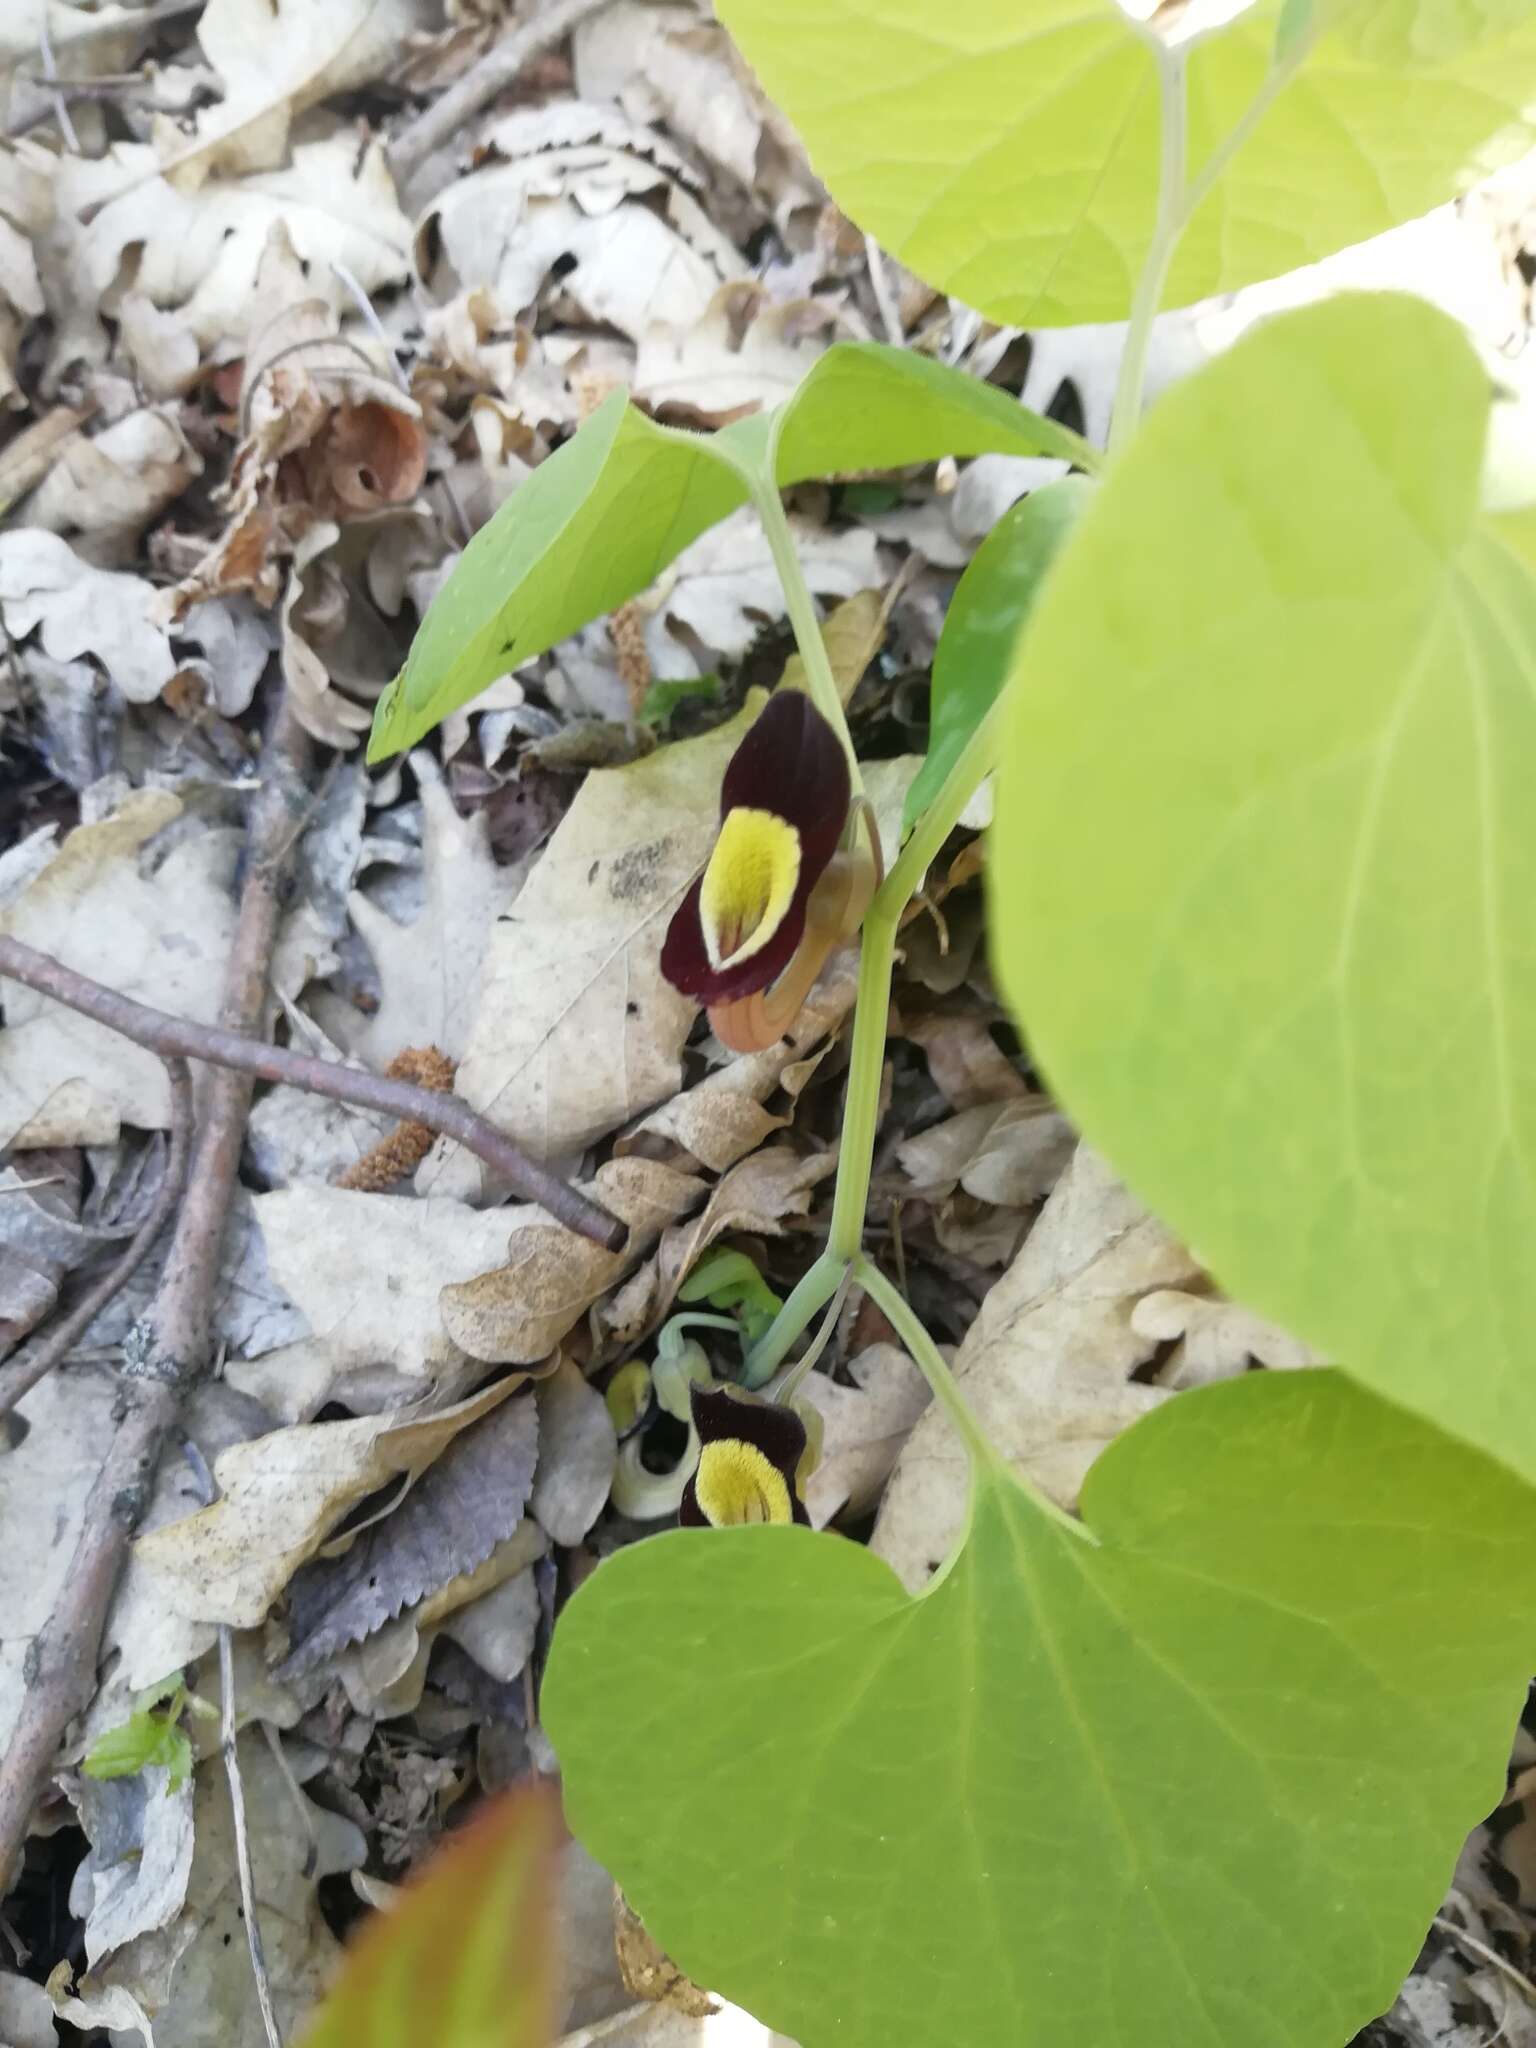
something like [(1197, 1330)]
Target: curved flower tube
[(777, 894), (749, 1459)]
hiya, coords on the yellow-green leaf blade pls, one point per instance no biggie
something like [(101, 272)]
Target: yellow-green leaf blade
[(1007, 150), (1078, 1791), (592, 525), (1265, 852)]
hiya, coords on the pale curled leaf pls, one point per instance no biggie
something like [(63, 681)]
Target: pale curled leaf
[(934, 1767), (279, 1498), (577, 1450)]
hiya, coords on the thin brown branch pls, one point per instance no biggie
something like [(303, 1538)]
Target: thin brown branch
[(181, 1037), (495, 71), (19, 1375), (170, 1350)]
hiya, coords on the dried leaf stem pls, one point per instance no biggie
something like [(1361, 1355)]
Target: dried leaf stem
[(229, 1749), (250, 1059), (21, 1374), (496, 70)]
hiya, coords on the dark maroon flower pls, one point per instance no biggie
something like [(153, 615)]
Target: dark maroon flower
[(783, 807), (750, 1451)]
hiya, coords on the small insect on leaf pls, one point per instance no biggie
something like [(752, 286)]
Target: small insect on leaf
[(466, 1959)]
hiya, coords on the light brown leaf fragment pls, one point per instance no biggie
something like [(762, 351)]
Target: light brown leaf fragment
[(1008, 1154), (577, 1453), (1046, 1367), (863, 1429), (517, 1312), (966, 1062), (280, 1497)]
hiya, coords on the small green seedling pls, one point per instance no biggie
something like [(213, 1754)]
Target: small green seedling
[(152, 1734)]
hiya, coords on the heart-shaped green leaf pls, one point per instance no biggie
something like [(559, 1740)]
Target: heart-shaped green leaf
[(605, 514), (991, 602), (466, 1957), (1266, 852), (1196, 1777), (1007, 150)]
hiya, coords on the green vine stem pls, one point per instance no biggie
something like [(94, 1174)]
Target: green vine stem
[(821, 684), (866, 1059), (1172, 216), (1179, 199), (934, 1367)]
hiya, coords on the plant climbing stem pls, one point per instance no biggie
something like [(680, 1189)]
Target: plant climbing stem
[(820, 681), (1168, 226), (866, 1059)]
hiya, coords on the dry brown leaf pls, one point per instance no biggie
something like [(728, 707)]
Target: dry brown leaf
[(280, 1497), (103, 489), (755, 1197), (721, 1118), (746, 354), (157, 930), (429, 970), (274, 63), (1008, 1154), (577, 1453), (1213, 1338), (1046, 1367), (517, 1312), (121, 228), (713, 600), (583, 189), (966, 1062), (325, 436), (367, 1270), (863, 1429), (576, 1031), (76, 609)]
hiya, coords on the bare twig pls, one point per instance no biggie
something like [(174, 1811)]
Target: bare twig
[(181, 1037), (885, 298), (496, 70), (169, 1351), (1488, 1955), (21, 1373), (229, 1747), (51, 75)]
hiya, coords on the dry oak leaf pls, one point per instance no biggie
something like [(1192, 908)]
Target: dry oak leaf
[(121, 227), (519, 1311), (863, 1429), (367, 1271), (1046, 1367), (277, 57), (584, 189), (157, 930), (103, 489), (576, 1031), (281, 1495), (745, 355)]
